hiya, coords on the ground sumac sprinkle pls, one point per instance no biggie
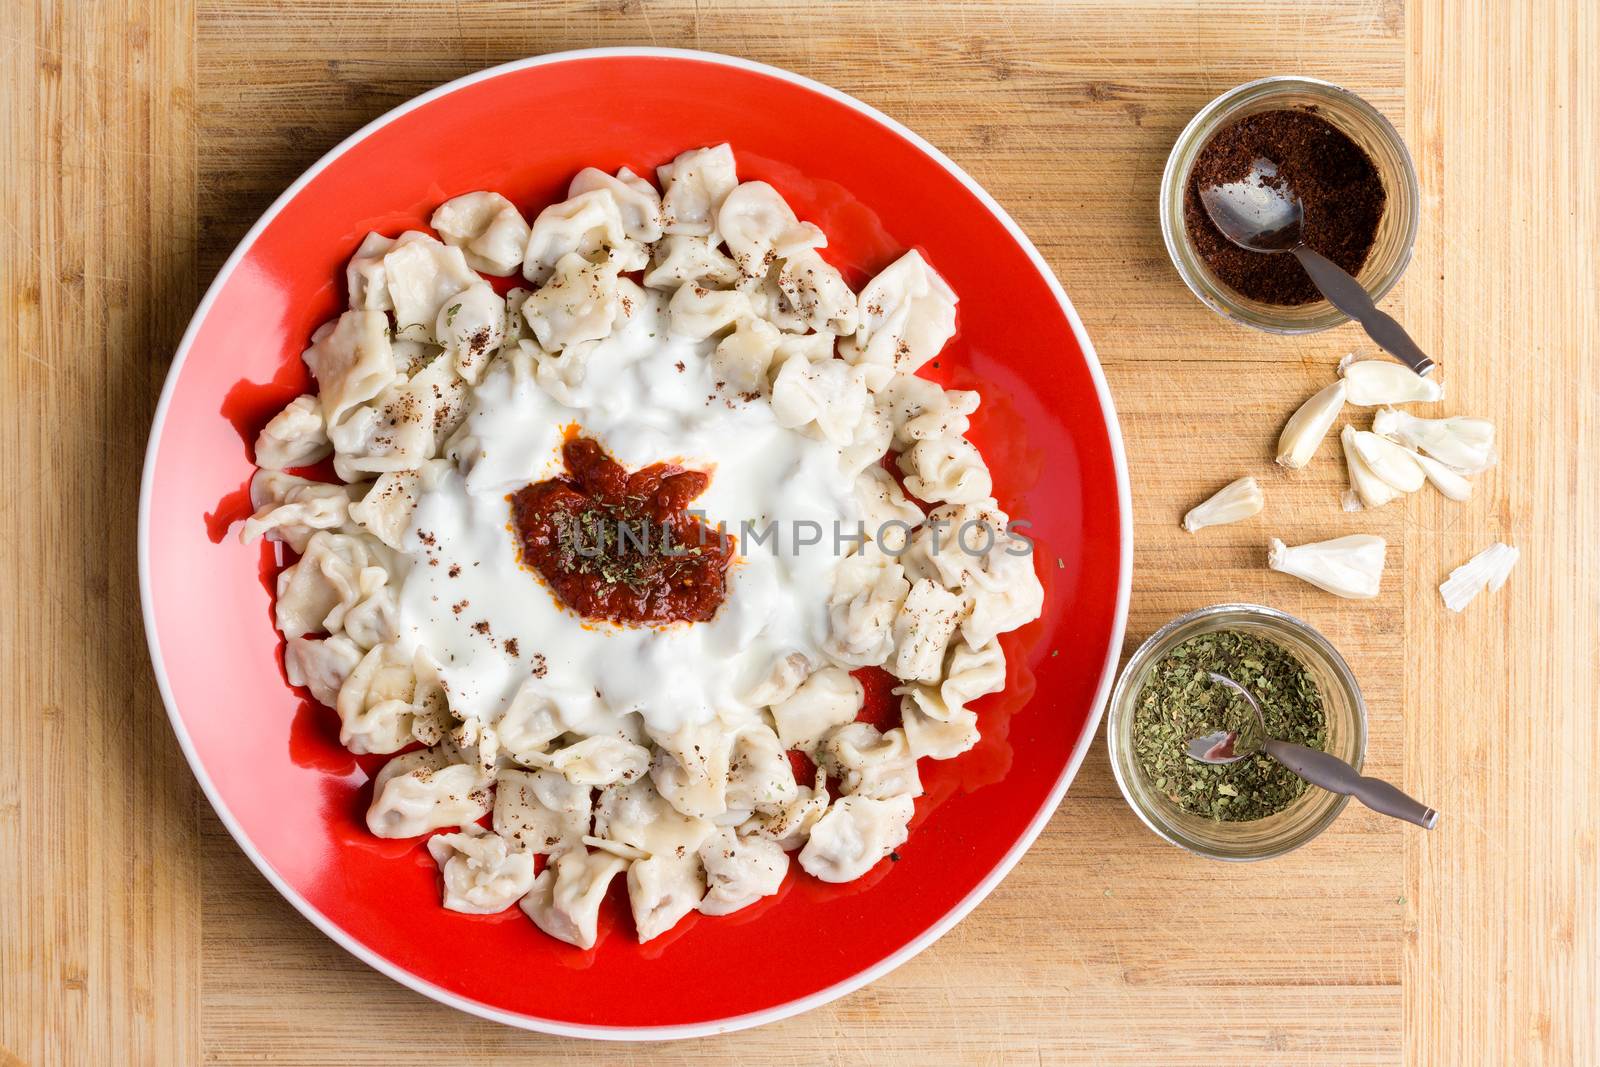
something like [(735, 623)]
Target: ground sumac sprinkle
[(1338, 184)]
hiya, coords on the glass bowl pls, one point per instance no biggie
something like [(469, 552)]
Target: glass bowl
[(1313, 811), (1359, 121)]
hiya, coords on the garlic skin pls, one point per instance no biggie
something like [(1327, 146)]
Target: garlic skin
[(1235, 501), (1487, 570), (1310, 423), (1374, 382), (1351, 567), (1462, 441), (1389, 461), (1449, 481), (1371, 490)]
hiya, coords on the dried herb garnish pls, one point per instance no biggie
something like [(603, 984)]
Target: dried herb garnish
[(1179, 701)]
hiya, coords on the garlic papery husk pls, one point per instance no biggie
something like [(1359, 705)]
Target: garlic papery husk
[(1487, 570), (1372, 490), (1449, 481), (1350, 566), (1309, 425), (1462, 441), (1389, 461), (1373, 382), (1234, 501)]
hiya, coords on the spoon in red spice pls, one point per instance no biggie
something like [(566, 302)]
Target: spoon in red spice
[(1262, 213)]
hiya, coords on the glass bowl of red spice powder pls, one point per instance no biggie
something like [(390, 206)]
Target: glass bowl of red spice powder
[(1365, 218)]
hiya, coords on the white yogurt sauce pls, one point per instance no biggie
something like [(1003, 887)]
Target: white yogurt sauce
[(636, 402)]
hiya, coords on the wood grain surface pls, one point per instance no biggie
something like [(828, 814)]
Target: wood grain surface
[(142, 137)]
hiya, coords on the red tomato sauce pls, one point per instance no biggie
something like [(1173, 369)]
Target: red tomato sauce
[(621, 547)]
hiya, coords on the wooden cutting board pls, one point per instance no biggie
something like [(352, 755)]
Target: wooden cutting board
[(142, 137)]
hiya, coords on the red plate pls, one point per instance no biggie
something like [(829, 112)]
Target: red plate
[(268, 756)]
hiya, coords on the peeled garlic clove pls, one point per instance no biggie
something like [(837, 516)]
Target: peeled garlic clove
[(1447, 480), (1372, 490), (1350, 566), (1234, 501), (1389, 461), (1309, 425), (1487, 570), (1462, 441), (1372, 382)]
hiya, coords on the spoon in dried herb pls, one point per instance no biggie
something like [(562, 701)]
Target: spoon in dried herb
[(1318, 768)]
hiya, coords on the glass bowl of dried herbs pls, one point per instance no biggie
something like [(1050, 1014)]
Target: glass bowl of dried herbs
[(1253, 809)]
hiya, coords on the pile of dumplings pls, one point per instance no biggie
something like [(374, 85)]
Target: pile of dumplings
[(703, 818)]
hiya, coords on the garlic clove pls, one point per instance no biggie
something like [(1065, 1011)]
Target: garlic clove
[(1389, 461), (1350, 566), (1234, 501), (1447, 480), (1462, 441), (1310, 423), (1372, 382), (1487, 570), (1372, 490)]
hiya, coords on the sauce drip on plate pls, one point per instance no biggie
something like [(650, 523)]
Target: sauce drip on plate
[(621, 547)]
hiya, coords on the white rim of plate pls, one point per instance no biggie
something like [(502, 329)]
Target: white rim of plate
[(712, 1026)]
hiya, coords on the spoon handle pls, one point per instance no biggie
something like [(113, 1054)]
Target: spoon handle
[(1348, 295), (1337, 776)]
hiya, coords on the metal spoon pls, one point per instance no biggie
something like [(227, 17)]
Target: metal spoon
[(1267, 217), (1318, 768)]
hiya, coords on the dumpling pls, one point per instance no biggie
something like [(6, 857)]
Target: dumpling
[(583, 226), (740, 361), (404, 426), (760, 228), (935, 717), (690, 768), (530, 722), (946, 469), (867, 593), (739, 871), (817, 292), (662, 890), (365, 277), (329, 579), (599, 760), (980, 560), (424, 275), (291, 509), (471, 327), (565, 899), (787, 673), (634, 816), (376, 703), (482, 873), (871, 764), (320, 666), (829, 698), (908, 313), (294, 437), (488, 228), (541, 810), (681, 260), (888, 516), (638, 203), (853, 835), (385, 510), (580, 302), (759, 775), (922, 630), (923, 411), (790, 824), (422, 791), (352, 361), (699, 313), (694, 187), (827, 398), (869, 441), (374, 619)]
